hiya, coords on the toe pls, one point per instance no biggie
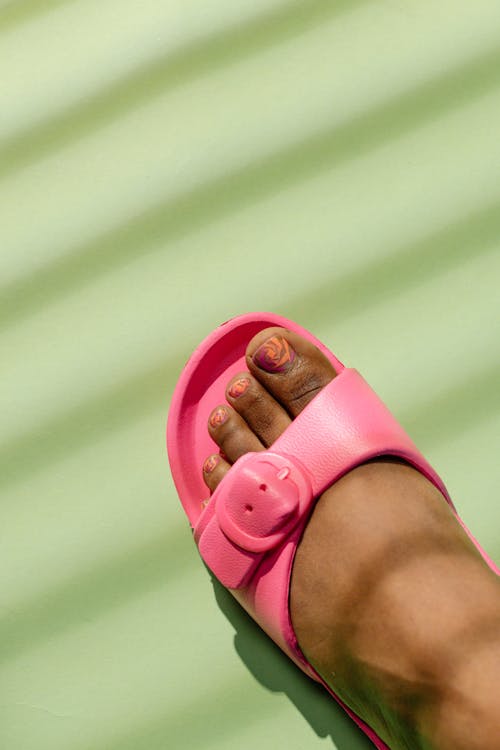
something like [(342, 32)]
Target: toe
[(215, 469), (263, 414), (289, 367), (231, 433)]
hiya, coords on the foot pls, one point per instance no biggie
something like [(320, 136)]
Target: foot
[(390, 601)]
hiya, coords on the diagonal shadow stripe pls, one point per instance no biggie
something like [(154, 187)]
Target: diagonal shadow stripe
[(187, 727), (86, 422), (180, 730), (97, 590), (405, 268), (458, 408), (18, 11), (336, 299), (175, 218), (451, 413), (191, 725), (172, 70)]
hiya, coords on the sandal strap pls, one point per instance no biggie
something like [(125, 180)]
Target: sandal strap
[(266, 495)]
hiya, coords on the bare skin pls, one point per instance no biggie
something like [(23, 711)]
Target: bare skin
[(390, 600)]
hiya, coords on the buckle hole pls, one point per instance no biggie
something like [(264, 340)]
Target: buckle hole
[(248, 508), (262, 487)]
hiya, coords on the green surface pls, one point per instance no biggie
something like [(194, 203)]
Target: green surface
[(164, 166)]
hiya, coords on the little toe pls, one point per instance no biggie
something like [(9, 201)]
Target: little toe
[(291, 368), (263, 414)]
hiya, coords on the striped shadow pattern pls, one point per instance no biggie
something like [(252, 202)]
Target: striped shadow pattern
[(164, 166)]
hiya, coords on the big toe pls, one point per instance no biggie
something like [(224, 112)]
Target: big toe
[(289, 366)]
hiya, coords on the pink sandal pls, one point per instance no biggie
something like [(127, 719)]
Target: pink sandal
[(248, 533)]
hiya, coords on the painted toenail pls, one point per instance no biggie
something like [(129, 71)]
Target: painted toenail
[(211, 463), (238, 387), (275, 355), (218, 416)]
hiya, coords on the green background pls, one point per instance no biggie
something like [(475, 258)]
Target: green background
[(163, 167)]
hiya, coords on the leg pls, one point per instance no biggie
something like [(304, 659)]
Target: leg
[(390, 600)]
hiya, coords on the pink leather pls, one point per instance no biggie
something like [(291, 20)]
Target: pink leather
[(249, 531)]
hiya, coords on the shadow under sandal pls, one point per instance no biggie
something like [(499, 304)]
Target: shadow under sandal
[(249, 531)]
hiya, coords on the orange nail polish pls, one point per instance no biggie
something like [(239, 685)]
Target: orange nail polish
[(211, 463), (218, 416), (239, 387), (275, 355)]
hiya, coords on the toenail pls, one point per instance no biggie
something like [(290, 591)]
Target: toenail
[(238, 387), (275, 355), (218, 416), (211, 463)]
